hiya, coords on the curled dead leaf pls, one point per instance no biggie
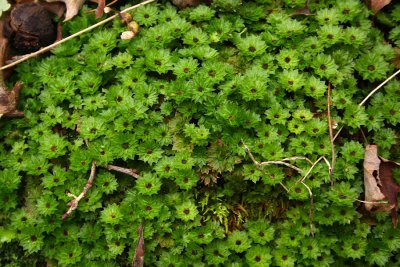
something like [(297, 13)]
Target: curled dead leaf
[(376, 5), (72, 6), (379, 183)]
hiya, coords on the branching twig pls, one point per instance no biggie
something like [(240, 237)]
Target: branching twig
[(138, 259), (131, 172), (258, 164), (74, 203), (47, 48), (279, 162), (310, 212)]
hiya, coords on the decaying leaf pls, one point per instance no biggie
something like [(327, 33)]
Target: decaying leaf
[(72, 6), (377, 5), (396, 59), (371, 176), (101, 4), (379, 183), (8, 98), (138, 259), (185, 3), (303, 11), (389, 187)]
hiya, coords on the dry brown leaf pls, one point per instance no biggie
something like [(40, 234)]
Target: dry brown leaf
[(377, 5), (302, 11), (396, 60), (371, 176), (8, 98), (101, 4), (389, 187), (72, 6), (185, 3), (379, 183)]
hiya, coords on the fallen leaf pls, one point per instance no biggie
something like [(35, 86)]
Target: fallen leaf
[(185, 3), (72, 6), (101, 4), (389, 187), (303, 11), (396, 60), (376, 5), (371, 178), (379, 183), (8, 98)]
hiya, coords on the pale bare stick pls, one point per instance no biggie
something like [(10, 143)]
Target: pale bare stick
[(331, 135), (47, 48), (310, 212), (368, 96), (314, 164), (258, 164), (278, 162), (307, 173), (378, 87), (371, 202), (297, 158), (74, 203), (337, 133), (131, 172)]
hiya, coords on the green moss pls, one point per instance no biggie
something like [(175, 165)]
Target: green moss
[(176, 104)]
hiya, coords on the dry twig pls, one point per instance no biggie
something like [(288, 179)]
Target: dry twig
[(132, 172), (74, 203), (331, 135), (369, 95)]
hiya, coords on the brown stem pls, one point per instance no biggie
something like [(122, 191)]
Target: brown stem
[(138, 259), (74, 203), (132, 172), (331, 134)]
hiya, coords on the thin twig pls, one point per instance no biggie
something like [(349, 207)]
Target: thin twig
[(378, 87), (131, 172), (278, 162), (47, 48), (331, 135), (368, 96), (371, 202), (310, 212), (74, 203), (297, 158), (258, 164)]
